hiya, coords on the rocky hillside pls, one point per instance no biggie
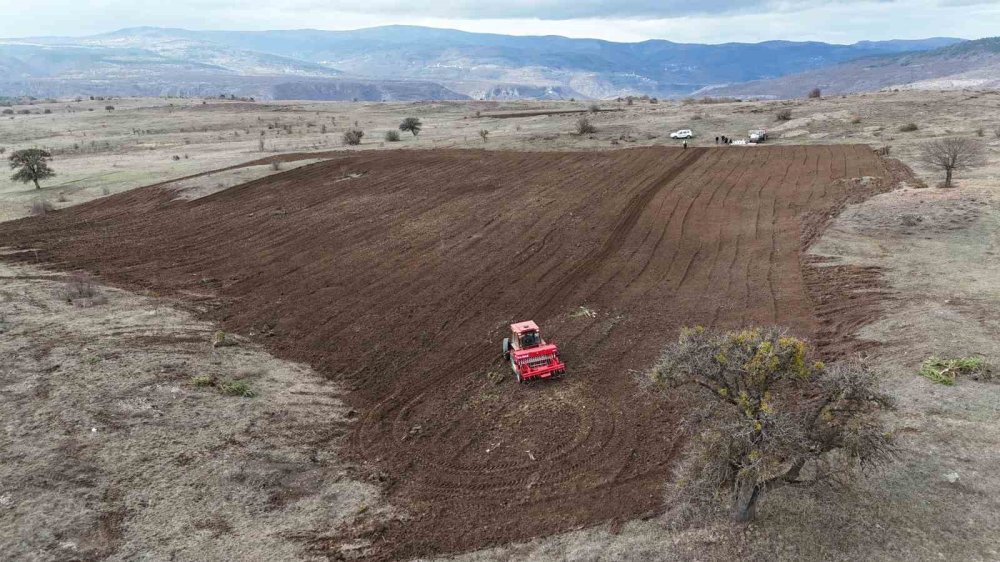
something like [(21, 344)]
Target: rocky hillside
[(971, 64)]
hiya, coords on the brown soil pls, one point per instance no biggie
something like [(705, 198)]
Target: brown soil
[(397, 273)]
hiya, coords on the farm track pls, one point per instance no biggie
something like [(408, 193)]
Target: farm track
[(399, 283)]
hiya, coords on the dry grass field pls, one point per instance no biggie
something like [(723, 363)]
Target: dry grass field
[(127, 437), (99, 151)]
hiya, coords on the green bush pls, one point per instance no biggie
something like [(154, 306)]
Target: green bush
[(202, 381), (946, 371), (237, 388)]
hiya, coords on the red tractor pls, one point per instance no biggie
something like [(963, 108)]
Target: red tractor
[(529, 356)]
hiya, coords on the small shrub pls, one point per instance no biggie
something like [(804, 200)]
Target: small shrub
[(784, 115), (222, 339), (411, 124), (202, 381), (237, 388), (484, 134), (909, 128), (946, 371), (41, 207), (81, 288), (980, 132), (109, 108), (996, 133), (815, 93), (855, 119), (584, 127), (176, 157), (276, 165), (352, 137), (392, 136), (594, 108)]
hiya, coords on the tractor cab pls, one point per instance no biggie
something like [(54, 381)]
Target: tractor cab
[(529, 355), (525, 335)]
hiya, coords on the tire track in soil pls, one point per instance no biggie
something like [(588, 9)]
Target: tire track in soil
[(399, 284)]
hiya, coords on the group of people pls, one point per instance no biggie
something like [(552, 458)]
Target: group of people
[(723, 139)]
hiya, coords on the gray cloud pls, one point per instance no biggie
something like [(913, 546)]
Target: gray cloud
[(711, 21)]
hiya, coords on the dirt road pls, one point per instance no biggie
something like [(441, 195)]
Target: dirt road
[(397, 273)]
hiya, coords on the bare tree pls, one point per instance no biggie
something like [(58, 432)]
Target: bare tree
[(769, 412), (952, 154), (484, 134)]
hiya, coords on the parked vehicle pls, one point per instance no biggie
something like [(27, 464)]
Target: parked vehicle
[(682, 134), (757, 136)]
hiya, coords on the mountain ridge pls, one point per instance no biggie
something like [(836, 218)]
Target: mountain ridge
[(453, 64), (970, 64)]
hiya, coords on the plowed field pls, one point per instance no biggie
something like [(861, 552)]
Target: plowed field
[(397, 273)]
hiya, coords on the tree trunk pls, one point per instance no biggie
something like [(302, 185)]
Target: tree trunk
[(745, 508), (36, 183), (947, 177)]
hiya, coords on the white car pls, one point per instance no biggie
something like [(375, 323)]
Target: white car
[(682, 134)]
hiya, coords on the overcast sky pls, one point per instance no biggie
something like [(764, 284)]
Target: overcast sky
[(702, 21)]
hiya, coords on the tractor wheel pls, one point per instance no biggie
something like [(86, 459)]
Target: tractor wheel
[(517, 374), (506, 349)]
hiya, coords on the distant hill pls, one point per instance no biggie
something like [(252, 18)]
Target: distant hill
[(450, 64), (970, 64)]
